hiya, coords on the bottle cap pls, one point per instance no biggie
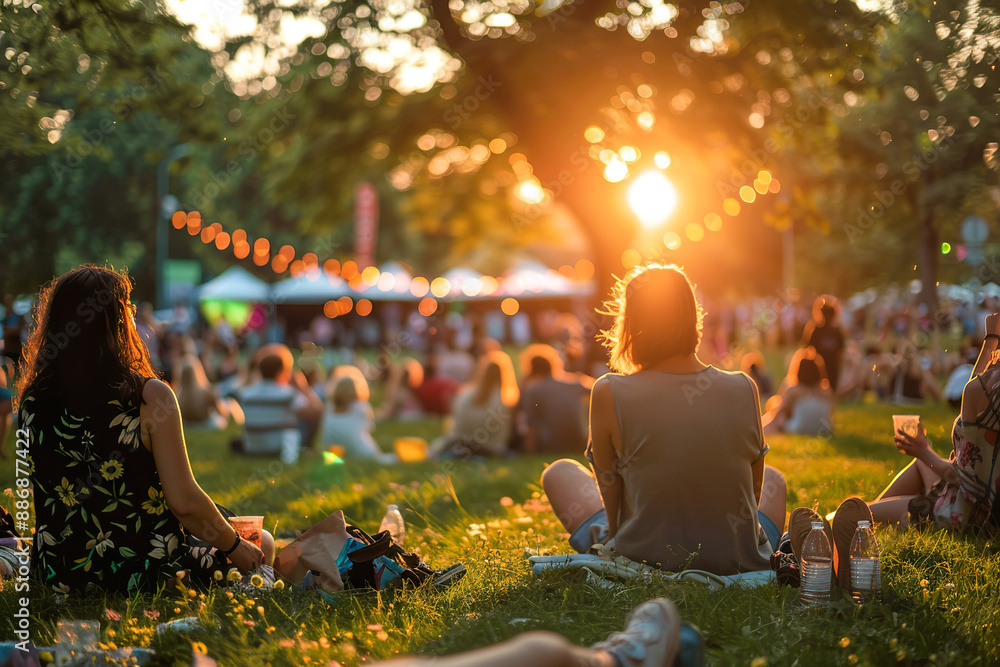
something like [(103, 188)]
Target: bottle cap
[(817, 525), (393, 507), (864, 523)]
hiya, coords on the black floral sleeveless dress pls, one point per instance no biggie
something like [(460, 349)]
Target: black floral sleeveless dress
[(100, 513)]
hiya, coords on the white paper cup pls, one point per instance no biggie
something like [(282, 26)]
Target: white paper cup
[(908, 424)]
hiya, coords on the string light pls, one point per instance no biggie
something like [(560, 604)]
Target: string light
[(361, 278)]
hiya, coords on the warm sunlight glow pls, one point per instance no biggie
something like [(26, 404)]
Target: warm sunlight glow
[(653, 198), (530, 191)]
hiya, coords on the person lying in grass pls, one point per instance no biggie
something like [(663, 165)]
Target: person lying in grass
[(116, 504), (959, 492), (676, 446)]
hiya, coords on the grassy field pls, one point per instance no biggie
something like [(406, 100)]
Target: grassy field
[(940, 606)]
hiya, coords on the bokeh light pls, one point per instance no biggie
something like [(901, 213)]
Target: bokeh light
[(179, 220), (945, 248), (364, 307), (331, 267), (694, 231), (630, 258), (585, 269), (510, 306), (419, 287), (427, 306), (662, 159), (616, 171), (672, 240), (731, 207), (440, 287), (594, 135), (370, 276), (349, 270), (748, 194), (713, 222), (222, 240)]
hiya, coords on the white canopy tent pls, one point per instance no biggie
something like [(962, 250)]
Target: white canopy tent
[(393, 284), (532, 279), (310, 287), (235, 284)]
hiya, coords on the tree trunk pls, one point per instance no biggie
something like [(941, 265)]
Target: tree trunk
[(929, 248)]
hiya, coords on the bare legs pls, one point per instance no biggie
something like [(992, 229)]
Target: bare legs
[(892, 505), (773, 499), (267, 546), (531, 649), (574, 495), (573, 492)]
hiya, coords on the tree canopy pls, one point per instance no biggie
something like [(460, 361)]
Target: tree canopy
[(485, 125)]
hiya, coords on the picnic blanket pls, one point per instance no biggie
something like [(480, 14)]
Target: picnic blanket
[(618, 568)]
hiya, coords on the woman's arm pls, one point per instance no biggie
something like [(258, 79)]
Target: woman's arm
[(989, 344), (603, 434), (920, 448), (161, 420)]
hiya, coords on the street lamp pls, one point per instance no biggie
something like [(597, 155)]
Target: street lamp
[(164, 201)]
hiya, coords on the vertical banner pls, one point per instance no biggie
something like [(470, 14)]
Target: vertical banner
[(365, 223)]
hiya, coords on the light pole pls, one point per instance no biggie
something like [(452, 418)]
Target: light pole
[(162, 229)]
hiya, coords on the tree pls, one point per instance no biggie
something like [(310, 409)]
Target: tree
[(919, 142), (697, 84), (95, 92)]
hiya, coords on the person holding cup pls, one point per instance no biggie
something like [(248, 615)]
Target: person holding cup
[(116, 503), (961, 491)]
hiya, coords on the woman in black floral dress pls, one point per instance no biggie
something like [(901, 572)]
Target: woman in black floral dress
[(116, 503)]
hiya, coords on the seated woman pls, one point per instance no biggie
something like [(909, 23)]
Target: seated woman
[(960, 492), (349, 420), (116, 504), (201, 407), (401, 402), (676, 446), (912, 382), (805, 406), (483, 411)]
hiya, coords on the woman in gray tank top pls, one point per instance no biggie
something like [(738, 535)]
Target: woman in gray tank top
[(676, 447)]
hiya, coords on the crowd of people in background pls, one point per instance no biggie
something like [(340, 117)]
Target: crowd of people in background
[(310, 385)]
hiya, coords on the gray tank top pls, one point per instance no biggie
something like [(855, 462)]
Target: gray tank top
[(688, 442)]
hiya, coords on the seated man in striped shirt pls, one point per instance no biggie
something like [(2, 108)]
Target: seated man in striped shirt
[(274, 405)]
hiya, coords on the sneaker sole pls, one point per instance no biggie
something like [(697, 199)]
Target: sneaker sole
[(845, 523), (799, 525)]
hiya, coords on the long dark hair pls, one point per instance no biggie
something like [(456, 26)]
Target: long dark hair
[(85, 343)]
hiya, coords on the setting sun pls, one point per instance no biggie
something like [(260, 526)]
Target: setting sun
[(653, 198)]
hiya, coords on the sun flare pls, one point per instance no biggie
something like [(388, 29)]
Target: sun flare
[(653, 198)]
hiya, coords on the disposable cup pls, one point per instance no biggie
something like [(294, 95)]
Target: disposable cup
[(908, 424), (249, 527)]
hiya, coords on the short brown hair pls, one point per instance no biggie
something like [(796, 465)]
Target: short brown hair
[(656, 317), (274, 359)]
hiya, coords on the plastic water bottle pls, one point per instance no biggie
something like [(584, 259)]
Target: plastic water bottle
[(393, 522), (866, 574), (817, 567)]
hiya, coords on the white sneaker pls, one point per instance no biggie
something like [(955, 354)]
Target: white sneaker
[(651, 638)]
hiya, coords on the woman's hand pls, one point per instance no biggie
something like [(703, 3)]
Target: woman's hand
[(915, 446), (247, 557)]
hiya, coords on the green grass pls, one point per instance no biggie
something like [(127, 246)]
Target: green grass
[(950, 619)]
